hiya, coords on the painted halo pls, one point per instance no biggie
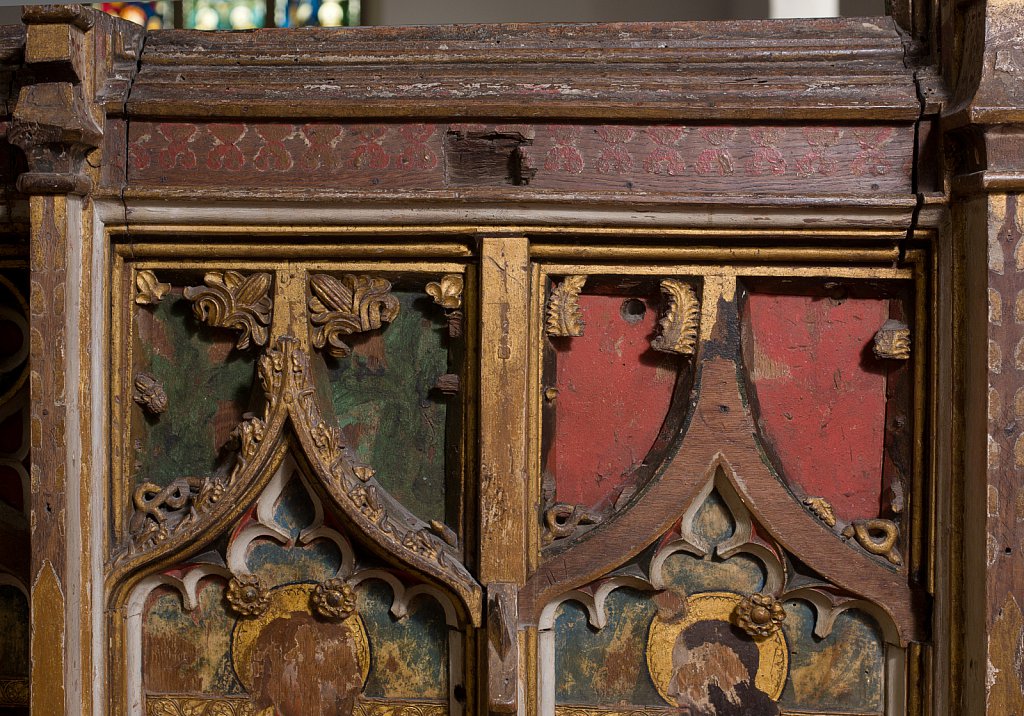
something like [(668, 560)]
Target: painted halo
[(773, 661), (286, 601)]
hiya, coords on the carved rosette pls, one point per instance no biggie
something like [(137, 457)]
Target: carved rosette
[(231, 300), (353, 304), (759, 615), (150, 290), (247, 595), (564, 317), (680, 319), (334, 600), (149, 393)]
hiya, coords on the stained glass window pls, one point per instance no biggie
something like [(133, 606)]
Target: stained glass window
[(237, 14)]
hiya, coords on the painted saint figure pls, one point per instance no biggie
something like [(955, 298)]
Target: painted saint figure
[(714, 666)]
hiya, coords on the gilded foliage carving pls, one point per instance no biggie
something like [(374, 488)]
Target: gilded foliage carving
[(352, 304), (822, 509), (231, 300), (222, 706), (447, 293), (150, 290), (892, 341), (198, 706), (680, 319), (564, 317), (394, 707)]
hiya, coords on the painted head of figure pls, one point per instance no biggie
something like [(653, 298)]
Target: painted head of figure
[(714, 666)]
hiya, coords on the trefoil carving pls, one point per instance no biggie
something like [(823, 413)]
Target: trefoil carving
[(564, 317), (352, 304), (447, 293), (150, 290), (680, 320), (231, 300)]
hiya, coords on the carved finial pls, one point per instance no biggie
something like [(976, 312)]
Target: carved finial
[(759, 615), (679, 322), (231, 300), (149, 393), (564, 317), (877, 536), (892, 341), (151, 291), (351, 305), (822, 510)]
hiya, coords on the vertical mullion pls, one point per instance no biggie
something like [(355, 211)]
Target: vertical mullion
[(504, 360), (504, 474)]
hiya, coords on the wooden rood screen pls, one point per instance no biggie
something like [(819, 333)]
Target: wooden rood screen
[(547, 370)]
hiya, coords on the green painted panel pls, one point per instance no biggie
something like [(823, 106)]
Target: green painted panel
[(605, 667), (409, 656), (189, 651), (387, 408), (844, 671), (209, 384)]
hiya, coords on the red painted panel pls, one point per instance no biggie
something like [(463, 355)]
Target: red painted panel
[(613, 395), (822, 394)]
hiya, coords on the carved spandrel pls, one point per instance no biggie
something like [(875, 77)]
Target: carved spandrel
[(351, 304), (232, 300)]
